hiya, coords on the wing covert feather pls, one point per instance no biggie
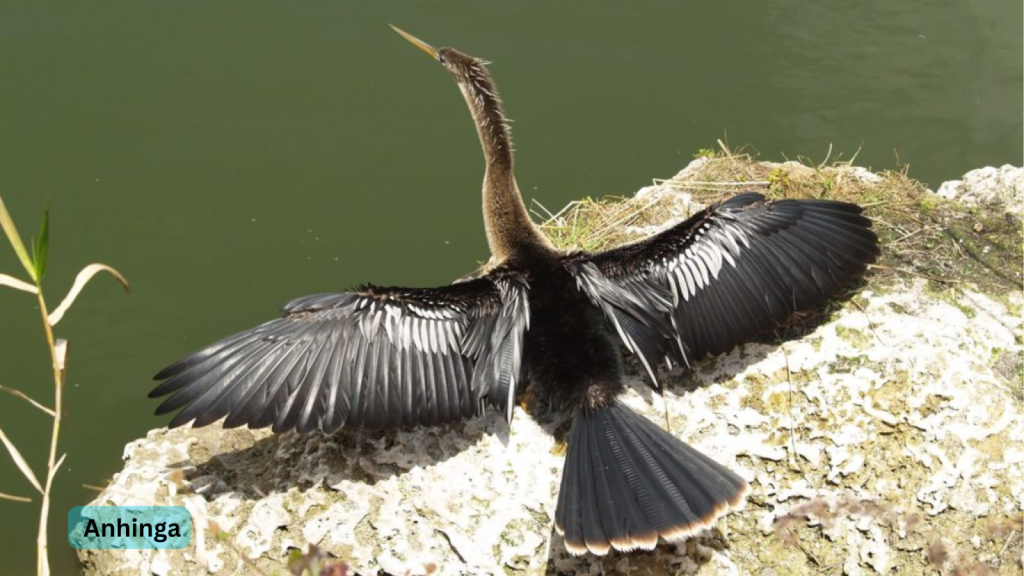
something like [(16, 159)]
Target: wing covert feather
[(726, 275)]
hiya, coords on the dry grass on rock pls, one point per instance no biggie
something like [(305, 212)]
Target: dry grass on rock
[(921, 234)]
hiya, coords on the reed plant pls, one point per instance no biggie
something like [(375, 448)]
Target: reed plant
[(34, 264)]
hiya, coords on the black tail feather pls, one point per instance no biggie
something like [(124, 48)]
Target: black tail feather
[(626, 482)]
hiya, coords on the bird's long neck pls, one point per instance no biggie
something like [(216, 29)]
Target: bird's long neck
[(510, 231)]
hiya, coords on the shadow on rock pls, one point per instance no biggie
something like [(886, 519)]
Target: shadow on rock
[(252, 466)]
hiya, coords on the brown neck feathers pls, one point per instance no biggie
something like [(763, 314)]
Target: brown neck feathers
[(510, 231)]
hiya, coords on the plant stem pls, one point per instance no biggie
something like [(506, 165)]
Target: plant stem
[(42, 562)]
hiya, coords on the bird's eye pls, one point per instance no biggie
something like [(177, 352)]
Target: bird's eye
[(440, 57)]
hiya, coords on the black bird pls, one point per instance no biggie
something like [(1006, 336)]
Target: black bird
[(388, 357)]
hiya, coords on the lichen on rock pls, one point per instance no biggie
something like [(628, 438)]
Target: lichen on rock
[(881, 435)]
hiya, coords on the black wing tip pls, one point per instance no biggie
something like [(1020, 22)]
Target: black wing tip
[(166, 386), (170, 371), (164, 408), (175, 422)]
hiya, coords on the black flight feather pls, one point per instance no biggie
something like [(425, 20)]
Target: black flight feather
[(376, 358)]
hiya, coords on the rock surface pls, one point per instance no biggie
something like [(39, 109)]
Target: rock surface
[(887, 439), (988, 185)]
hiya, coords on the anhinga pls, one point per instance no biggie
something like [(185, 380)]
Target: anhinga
[(388, 357)]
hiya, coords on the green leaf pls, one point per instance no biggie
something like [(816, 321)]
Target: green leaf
[(12, 236), (41, 247)]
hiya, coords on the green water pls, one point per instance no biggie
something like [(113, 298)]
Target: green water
[(228, 156)]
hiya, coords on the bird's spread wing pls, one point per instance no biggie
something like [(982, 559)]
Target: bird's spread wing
[(731, 272), (376, 358)]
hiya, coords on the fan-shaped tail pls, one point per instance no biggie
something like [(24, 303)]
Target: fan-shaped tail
[(626, 482)]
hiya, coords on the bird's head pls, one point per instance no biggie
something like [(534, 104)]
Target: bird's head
[(465, 69)]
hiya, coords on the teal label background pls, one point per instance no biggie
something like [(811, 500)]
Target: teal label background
[(132, 520)]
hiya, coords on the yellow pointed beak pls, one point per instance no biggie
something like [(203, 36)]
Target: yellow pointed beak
[(416, 41)]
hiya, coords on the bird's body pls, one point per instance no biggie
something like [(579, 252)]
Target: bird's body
[(571, 351), (390, 357)]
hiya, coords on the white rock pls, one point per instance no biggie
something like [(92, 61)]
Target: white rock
[(1002, 186)]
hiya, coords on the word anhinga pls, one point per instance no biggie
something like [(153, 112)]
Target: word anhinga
[(389, 357)]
